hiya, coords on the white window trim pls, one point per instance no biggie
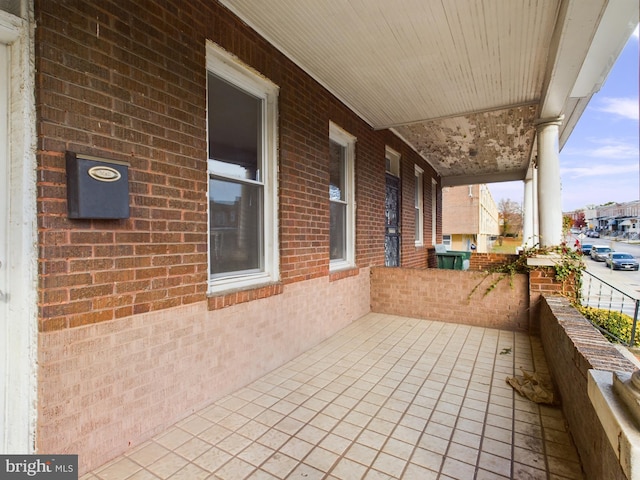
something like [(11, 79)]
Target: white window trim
[(348, 141), (394, 160), (419, 179), (224, 65), (434, 211)]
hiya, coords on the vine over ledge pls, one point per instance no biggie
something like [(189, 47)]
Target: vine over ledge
[(567, 263)]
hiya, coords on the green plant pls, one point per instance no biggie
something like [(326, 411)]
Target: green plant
[(568, 265), (617, 326)]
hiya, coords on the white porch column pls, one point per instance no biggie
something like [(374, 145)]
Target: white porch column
[(536, 220), (527, 228), (549, 197)]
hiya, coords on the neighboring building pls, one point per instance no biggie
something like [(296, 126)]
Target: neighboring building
[(469, 217), (618, 219)]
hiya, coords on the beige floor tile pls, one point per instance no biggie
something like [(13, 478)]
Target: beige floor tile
[(348, 470), (190, 472), (148, 453), (428, 459), (361, 453), (457, 469), (212, 459), (307, 472), (279, 465), (118, 469), (321, 459), (494, 447), (398, 448), (296, 448), (167, 465), (273, 439), (193, 448), (465, 438), (463, 453), (389, 464), (194, 424), (335, 443), (256, 454), (173, 438), (528, 472), (371, 439), (416, 471), (144, 475), (234, 469), (260, 475), (527, 457)]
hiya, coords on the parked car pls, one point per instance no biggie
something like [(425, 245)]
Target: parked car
[(586, 248), (621, 261), (599, 253)]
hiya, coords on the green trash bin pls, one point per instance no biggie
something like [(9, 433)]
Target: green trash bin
[(453, 260)]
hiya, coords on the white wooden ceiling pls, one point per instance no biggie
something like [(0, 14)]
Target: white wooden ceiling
[(462, 81)]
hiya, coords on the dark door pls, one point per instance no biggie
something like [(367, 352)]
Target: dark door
[(392, 223)]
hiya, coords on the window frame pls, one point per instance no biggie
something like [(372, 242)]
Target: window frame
[(419, 206), (434, 211), (348, 142), (225, 66), (392, 158)]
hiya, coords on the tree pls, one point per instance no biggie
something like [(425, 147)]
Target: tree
[(510, 217), (580, 221)]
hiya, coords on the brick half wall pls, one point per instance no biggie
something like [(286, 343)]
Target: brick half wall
[(105, 388), (572, 346), (449, 296)]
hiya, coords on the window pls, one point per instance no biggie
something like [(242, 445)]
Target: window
[(242, 167), (341, 198), (419, 207), (392, 162), (434, 211), (446, 241)]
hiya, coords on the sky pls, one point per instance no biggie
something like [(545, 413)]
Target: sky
[(600, 162)]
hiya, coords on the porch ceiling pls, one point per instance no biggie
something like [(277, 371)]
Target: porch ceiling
[(462, 82)]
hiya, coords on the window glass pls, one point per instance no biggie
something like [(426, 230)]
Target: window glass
[(338, 229), (235, 226), (235, 130)]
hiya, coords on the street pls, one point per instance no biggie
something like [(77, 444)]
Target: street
[(627, 281)]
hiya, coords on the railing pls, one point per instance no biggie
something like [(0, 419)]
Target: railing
[(599, 294)]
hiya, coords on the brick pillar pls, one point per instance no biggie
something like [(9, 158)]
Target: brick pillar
[(542, 281)]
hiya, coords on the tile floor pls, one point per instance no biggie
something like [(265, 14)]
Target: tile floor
[(386, 398)]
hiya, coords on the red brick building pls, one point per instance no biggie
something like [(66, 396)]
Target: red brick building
[(145, 317)]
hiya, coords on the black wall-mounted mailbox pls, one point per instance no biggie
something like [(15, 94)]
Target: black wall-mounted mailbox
[(97, 188)]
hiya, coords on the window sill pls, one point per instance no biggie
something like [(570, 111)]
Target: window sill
[(219, 300), (345, 273)]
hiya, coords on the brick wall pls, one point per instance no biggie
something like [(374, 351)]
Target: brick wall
[(485, 261), (123, 306), (449, 296), (572, 346), (105, 388), (127, 82)]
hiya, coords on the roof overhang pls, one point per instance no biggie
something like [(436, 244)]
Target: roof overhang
[(462, 82)]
